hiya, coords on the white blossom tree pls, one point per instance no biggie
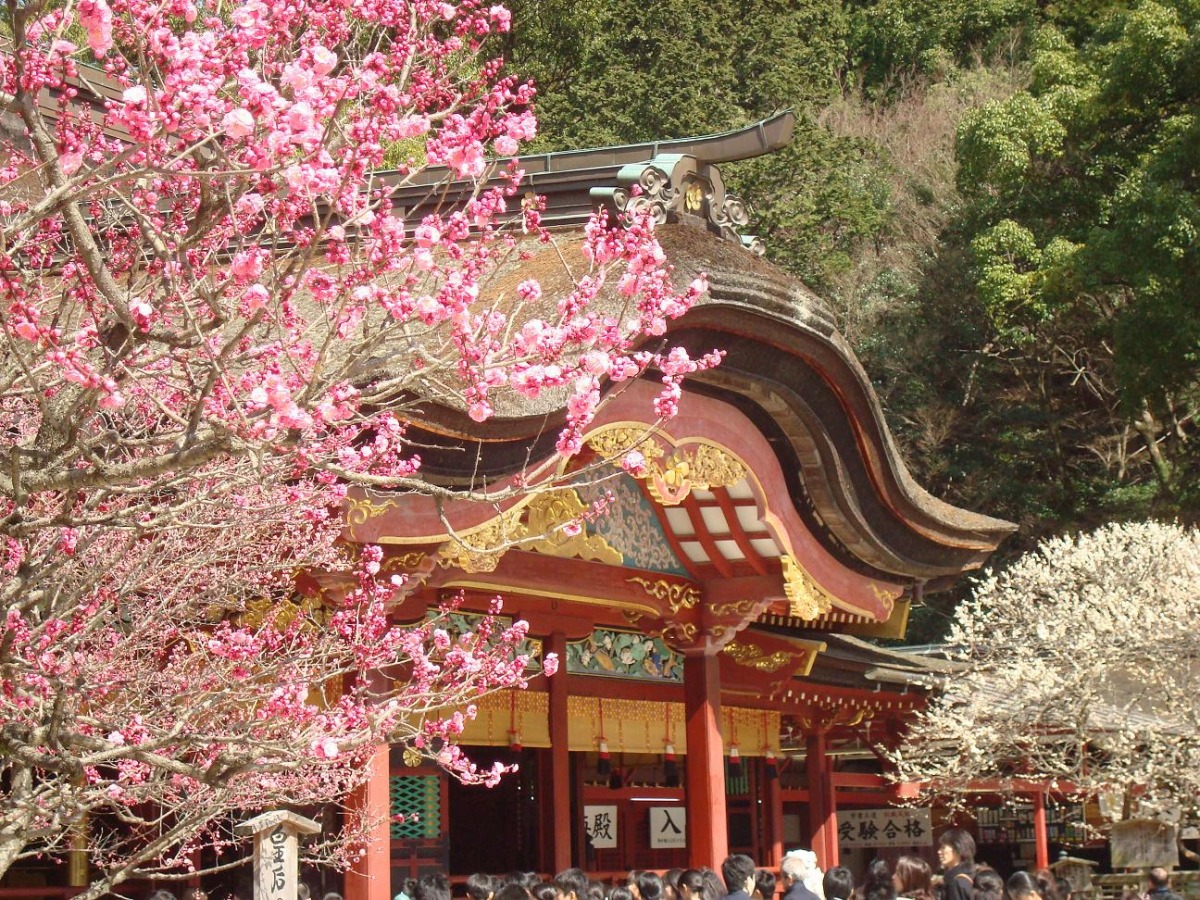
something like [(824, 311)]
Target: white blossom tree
[(1079, 668)]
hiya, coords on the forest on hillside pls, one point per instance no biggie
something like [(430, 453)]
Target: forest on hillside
[(1001, 199)]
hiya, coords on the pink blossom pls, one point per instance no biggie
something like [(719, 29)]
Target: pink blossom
[(96, 18), (238, 123), (550, 664), (324, 60)]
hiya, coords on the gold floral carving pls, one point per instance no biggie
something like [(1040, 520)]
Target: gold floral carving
[(548, 513), (614, 443), (403, 562), (805, 597), (703, 467), (677, 595), (282, 613), (754, 658), (542, 525), (684, 632), (363, 509), (480, 551), (740, 608)]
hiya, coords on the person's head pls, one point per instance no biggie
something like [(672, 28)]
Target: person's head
[(954, 847), (913, 878), (543, 891), (571, 884), (878, 883), (649, 886), (713, 886), (303, 892), (738, 872), (621, 892), (764, 884), (596, 891), (1022, 886), (481, 886), (838, 883), (329, 895), (988, 885), (433, 886), (671, 883), (161, 895), (1159, 878), (691, 884), (511, 890), (1065, 888)]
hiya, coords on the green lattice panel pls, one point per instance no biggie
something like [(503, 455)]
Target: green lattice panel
[(420, 794)]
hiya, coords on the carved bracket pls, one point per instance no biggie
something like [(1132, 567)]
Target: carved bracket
[(679, 188)]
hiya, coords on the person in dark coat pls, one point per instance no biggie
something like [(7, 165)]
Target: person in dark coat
[(792, 870), (956, 853)]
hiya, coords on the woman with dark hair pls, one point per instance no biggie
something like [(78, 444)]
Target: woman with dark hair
[(988, 884), (1022, 886), (913, 879), (649, 886), (956, 853), (691, 885), (671, 884), (1047, 885), (878, 883)]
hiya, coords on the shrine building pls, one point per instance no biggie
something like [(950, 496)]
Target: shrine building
[(716, 693)]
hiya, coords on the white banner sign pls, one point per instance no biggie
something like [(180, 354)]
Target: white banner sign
[(600, 823), (884, 828), (668, 826)]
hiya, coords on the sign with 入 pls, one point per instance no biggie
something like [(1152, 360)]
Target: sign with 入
[(668, 827), (600, 825), (884, 828)]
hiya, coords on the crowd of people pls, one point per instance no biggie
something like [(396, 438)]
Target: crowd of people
[(800, 878), (911, 878)]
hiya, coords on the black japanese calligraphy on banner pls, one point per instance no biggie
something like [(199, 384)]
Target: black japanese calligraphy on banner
[(884, 828)]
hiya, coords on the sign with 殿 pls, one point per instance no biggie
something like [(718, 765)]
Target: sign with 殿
[(884, 828), (600, 824)]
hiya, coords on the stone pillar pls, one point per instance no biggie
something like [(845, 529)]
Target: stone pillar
[(277, 852)]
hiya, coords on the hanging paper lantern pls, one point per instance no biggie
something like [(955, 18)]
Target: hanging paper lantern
[(735, 761), (603, 762), (771, 768), (670, 767)]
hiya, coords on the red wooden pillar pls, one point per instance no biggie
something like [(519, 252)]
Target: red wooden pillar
[(1040, 840), (772, 797), (370, 878), (560, 759), (822, 806), (707, 829)]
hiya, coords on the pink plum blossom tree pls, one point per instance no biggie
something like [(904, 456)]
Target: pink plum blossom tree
[(215, 320)]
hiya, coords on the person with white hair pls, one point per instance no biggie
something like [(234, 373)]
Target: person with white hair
[(801, 876)]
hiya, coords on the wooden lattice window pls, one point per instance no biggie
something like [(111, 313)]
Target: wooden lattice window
[(420, 794)]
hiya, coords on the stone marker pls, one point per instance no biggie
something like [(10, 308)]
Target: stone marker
[(276, 852)]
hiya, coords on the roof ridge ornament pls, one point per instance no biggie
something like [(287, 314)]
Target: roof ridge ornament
[(679, 188)]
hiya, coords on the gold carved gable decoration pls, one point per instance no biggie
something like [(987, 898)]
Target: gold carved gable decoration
[(551, 523)]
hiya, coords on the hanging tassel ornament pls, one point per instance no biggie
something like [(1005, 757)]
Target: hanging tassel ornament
[(771, 768), (670, 767), (603, 761), (735, 762), (514, 743)]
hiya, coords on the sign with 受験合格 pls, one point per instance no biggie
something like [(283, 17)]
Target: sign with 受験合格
[(600, 824), (668, 826), (884, 828)]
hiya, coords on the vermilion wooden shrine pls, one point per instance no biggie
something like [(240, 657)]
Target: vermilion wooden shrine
[(716, 610)]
